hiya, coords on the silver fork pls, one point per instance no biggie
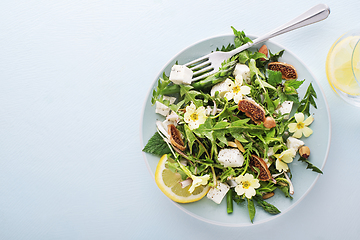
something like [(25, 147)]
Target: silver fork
[(210, 63)]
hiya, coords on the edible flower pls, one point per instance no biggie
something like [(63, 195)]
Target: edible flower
[(195, 116), (236, 89), (301, 127), (283, 159), (246, 184), (198, 180)]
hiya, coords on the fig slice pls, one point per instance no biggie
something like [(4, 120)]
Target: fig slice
[(260, 164), (175, 137), (252, 110), (287, 71)]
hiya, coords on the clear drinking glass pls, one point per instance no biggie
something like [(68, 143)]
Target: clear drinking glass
[(343, 67)]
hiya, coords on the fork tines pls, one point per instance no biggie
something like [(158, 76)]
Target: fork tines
[(201, 68)]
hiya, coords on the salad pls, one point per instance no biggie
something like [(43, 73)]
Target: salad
[(233, 135)]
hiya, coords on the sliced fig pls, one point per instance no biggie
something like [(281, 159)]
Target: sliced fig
[(287, 71), (175, 137), (252, 110), (260, 164)]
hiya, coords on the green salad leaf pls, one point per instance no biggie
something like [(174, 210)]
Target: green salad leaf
[(214, 128), (156, 145)]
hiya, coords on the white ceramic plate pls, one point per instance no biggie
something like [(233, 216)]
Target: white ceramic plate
[(303, 179)]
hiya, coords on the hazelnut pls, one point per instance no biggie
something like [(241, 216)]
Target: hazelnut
[(268, 195), (304, 151), (269, 122)]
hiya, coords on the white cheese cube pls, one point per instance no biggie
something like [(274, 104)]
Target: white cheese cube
[(242, 70), (217, 194), (294, 143), (170, 99), (172, 118), (285, 108), (180, 74), (222, 88), (161, 108), (232, 183), (230, 157)]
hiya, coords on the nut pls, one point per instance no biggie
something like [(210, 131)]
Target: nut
[(232, 144), (268, 195), (239, 146), (304, 151), (269, 122), (263, 50)]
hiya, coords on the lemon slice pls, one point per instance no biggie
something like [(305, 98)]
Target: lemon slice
[(338, 66), (169, 183)]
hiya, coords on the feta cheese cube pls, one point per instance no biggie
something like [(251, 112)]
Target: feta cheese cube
[(285, 108), (217, 194), (232, 183), (230, 157), (172, 118), (242, 70), (170, 99), (222, 88), (294, 143), (161, 108), (180, 74)]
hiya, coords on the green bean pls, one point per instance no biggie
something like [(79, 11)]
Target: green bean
[(229, 201)]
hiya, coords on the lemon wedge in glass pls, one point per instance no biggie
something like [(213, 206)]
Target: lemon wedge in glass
[(339, 69)]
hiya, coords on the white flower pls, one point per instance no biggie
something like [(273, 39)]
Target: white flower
[(247, 185), (236, 90), (283, 159), (301, 127), (197, 181), (194, 117)]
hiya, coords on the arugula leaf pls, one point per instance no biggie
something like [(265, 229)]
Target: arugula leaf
[(228, 48), (267, 206), (274, 77), (227, 173), (293, 83), (158, 91), (244, 56), (251, 209), (285, 190), (310, 165), (308, 100), (240, 38), (254, 71), (156, 145), (275, 57), (189, 136), (190, 95)]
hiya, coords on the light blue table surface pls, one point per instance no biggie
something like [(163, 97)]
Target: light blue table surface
[(74, 76)]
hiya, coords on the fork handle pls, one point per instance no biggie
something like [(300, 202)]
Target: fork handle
[(313, 15)]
